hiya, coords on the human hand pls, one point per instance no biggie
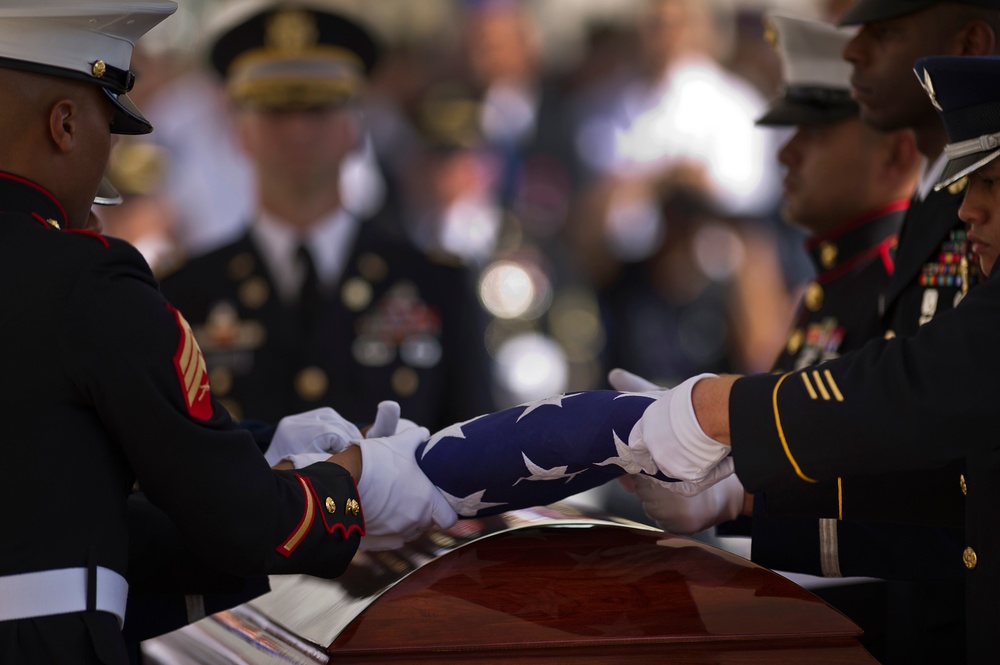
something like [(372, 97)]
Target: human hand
[(628, 382), (387, 421), (310, 437), (685, 515), (669, 433), (398, 500)]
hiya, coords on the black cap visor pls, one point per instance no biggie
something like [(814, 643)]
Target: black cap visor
[(786, 112), (107, 194), (870, 11), (962, 166), (128, 118)]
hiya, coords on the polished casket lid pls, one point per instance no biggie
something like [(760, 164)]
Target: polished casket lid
[(549, 584)]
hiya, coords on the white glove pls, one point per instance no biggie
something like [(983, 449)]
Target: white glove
[(669, 433), (397, 498), (310, 437), (387, 421), (685, 515), (631, 383)]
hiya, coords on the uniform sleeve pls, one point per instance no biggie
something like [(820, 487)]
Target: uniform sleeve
[(895, 404), (138, 368)]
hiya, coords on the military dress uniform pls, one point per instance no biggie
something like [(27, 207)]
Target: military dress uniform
[(839, 314), (111, 389), (903, 404), (397, 325)]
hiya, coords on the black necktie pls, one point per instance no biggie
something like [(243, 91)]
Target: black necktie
[(309, 293)]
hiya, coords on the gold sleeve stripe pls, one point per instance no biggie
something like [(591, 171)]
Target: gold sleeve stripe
[(304, 525), (781, 432), (189, 363), (833, 386), (820, 386), (809, 388), (840, 498)]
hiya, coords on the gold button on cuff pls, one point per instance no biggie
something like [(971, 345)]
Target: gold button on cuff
[(353, 507), (969, 558), (331, 505), (961, 483)]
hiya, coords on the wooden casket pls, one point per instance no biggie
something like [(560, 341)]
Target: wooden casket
[(547, 585)]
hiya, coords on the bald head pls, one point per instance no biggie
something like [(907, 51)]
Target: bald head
[(55, 132)]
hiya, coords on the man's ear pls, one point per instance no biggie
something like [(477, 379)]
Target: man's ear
[(976, 38), (62, 124)]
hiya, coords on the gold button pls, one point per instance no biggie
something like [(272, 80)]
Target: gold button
[(353, 507), (331, 505), (221, 380), (233, 407), (53, 223), (311, 383), (99, 69), (254, 292), (795, 341), (240, 266), (889, 334), (969, 558), (405, 381), (814, 297), (356, 294), (372, 267), (961, 483), (828, 255)]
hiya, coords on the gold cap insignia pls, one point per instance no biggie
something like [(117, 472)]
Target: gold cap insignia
[(770, 33), (99, 69), (291, 31)]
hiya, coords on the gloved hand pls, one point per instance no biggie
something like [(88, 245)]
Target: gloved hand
[(669, 433), (685, 515), (310, 437), (398, 500), (387, 421), (628, 382)]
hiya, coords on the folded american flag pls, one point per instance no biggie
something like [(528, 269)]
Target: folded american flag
[(536, 453)]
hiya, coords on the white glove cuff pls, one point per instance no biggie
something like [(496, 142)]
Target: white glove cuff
[(669, 426)]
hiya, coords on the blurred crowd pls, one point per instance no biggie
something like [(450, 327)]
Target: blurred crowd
[(613, 200)]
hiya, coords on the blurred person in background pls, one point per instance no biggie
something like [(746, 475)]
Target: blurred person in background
[(680, 126), (313, 306)]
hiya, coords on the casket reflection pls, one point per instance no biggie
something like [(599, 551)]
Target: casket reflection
[(547, 584)]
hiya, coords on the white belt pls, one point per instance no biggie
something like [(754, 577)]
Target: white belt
[(48, 592)]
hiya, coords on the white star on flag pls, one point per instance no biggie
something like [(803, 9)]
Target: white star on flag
[(489, 456), (627, 460), (468, 505), (453, 431), (555, 400), (538, 473)]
